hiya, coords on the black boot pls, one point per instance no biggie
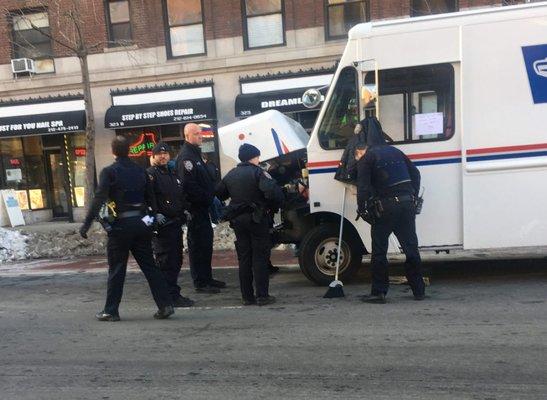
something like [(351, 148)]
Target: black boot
[(264, 301), (379, 298), (182, 301), (104, 316), (164, 312)]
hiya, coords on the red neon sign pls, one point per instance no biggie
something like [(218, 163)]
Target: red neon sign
[(14, 162), (143, 145), (80, 151)]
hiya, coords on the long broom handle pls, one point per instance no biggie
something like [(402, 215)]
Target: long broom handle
[(340, 234)]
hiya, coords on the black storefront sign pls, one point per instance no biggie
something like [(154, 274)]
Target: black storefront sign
[(285, 101), (40, 124), (160, 113)]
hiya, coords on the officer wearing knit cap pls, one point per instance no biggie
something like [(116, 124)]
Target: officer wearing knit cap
[(247, 152), (253, 194), (171, 203)]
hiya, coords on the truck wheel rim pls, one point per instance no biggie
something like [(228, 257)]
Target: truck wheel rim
[(326, 253)]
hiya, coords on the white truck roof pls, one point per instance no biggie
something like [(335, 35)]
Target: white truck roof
[(369, 29)]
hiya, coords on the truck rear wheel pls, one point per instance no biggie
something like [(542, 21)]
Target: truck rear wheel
[(318, 252)]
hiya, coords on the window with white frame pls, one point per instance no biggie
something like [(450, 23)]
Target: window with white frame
[(342, 15), (31, 39), (185, 30), (263, 23)]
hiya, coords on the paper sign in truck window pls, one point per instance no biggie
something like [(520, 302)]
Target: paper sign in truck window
[(428, 124)]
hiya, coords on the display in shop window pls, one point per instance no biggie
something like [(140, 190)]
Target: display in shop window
[(14, 175), (22, 198), (79, 193), (143, 145), (36, 199)]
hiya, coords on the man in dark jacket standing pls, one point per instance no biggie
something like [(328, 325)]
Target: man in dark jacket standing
[(127, 185), (199, 187), (253, 193), (171, 204), (387, 187)]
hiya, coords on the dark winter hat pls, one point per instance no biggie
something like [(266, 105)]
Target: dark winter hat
[(247, 152), (161, 146)]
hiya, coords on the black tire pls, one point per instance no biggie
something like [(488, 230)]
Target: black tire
[(318, 251)]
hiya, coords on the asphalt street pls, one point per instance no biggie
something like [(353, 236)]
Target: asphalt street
[(482, 334)]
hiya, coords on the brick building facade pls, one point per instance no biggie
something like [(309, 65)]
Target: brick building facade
[(170, 51)]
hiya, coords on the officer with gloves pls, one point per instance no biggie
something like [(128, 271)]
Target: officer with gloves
[(171, 204), (253, 194), (199, 188), (387, 189), (127, 185)]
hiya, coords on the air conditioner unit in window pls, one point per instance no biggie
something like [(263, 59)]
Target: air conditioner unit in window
[(22, 65)]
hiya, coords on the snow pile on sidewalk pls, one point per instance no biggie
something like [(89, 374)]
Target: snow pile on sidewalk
[(13, 245), (64, 241)]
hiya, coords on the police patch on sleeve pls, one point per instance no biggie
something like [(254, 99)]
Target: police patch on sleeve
[(188, 165), (267, 175)]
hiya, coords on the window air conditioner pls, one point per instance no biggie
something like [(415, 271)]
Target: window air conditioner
[(22, 65)]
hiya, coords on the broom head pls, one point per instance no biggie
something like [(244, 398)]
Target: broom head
[(336, 289)]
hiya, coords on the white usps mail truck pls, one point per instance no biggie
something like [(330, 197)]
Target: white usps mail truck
[(464, 95)]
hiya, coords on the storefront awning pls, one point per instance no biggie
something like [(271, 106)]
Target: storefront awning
[(41, 118), (161, 108), (282, 92), (285, 101)]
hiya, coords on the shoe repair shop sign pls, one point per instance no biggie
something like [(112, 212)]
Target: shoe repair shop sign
[(10, 212)]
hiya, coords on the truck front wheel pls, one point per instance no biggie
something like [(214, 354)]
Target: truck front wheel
[(318, 252)]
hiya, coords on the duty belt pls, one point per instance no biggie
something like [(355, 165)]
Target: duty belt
[(400, 199), (129, 214)]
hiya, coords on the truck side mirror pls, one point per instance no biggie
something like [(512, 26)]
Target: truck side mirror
[(311, 98)]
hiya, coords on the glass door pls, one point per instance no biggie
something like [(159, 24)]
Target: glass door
[(59, 193)]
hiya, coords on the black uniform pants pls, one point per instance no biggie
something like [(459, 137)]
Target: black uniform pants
[(253, 246), (400, 219), (167, 245), (131, 235), (200, 246)]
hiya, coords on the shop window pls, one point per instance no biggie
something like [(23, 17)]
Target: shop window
[(31, 39), (36, 173), (119, 23), (185, 30), (13, 163), (342, 15), (427, 7), (342, 112), (263, 23), (416, 103)]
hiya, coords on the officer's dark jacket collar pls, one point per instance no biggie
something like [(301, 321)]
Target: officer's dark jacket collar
[(246, 163), (164, 169), (123, 159), (193, 148)]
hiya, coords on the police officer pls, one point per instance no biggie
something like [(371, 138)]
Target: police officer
[(171, 203), (127, 185), (387, 187), (199, 187), (253, 193)]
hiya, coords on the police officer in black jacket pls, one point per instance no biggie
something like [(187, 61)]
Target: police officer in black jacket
[(253, 194), (171, 204), (127, 184), (199, 188), (387, 187)]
